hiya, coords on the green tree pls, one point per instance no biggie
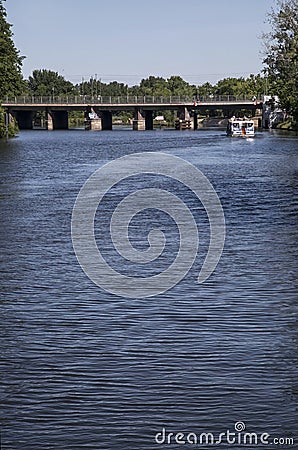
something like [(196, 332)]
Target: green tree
[(231, 86), (256, 85), (11, 80), (115, 89), (281, 54), (47, 82), (96, 88), (156, 86), (135, 91), (205, 90), (180, 87)]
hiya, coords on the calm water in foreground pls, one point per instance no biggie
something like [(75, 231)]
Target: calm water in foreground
[(82, 368)]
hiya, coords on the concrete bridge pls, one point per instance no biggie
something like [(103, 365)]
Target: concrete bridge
[(98, 111)]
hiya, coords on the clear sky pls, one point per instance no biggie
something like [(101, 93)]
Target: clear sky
[(127, 40)]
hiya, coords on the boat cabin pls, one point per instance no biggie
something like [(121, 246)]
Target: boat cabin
[(240, 127)]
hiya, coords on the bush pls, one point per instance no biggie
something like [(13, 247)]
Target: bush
[(12, 127)]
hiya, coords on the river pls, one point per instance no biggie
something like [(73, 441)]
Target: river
[(83, 368)]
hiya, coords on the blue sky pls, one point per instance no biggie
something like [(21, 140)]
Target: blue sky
[(127, 40)]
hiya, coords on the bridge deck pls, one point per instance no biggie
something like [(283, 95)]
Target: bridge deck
[(129, 103)]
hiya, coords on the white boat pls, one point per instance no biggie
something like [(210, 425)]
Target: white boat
[(241, 127)]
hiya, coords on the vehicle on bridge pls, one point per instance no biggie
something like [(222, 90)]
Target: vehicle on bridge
[(242, 127)]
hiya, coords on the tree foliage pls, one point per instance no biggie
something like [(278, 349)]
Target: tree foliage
[(11, 80), (96, 88), (282, 54), (175, 85), (254, 85), (154, 86), (48, 83)]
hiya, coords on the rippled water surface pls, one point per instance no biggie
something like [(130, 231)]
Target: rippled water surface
[(82, 368)]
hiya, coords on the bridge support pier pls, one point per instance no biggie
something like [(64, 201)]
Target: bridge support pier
[(139, 122), (184, 121), (266, 116), (60, 120), (56, 120), (49, 121), (195, 120), (93, 124), (149, 120), (103, 120), (92, 121), (107, 120), (24, 120)]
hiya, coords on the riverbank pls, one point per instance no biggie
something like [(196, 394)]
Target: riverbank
[(8, 131), (288, 126)]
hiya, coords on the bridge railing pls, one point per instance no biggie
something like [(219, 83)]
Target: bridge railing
[(112, 100)]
